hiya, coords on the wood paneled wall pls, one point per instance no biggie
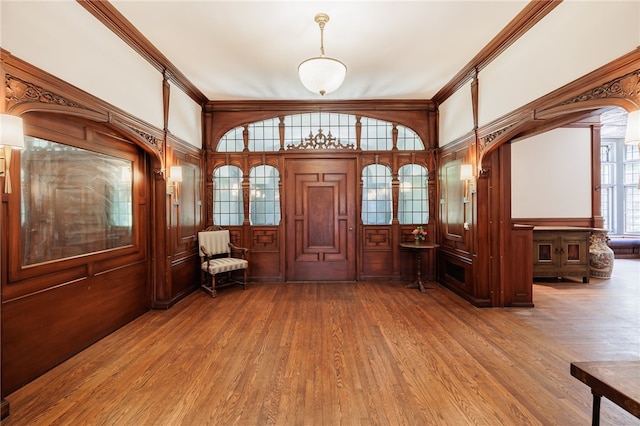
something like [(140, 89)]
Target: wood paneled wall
[(50, 311), (379, 256), (488, 264)]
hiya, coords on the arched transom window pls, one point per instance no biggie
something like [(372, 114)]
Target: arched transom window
[(320, 130)]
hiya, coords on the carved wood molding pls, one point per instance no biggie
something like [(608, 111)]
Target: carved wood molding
[(623, 91), (627, 86), (616, 84), (487, 140), (19, 92), (156, 143), (320, 141), (29, 89)]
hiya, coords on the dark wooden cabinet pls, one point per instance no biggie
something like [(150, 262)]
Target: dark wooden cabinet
[(561, 252)]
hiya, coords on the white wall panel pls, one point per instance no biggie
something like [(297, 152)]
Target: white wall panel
[(456, 115), (551, 175), (82, 52), (576, 38), (185, 117)]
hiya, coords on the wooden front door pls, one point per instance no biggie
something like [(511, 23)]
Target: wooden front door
[(320, 219)]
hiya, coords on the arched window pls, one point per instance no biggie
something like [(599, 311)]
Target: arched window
[(413, 199), (298, 127), (376, 195), (376, 135), (264, 198), (227, 196), (231, 141), (408, 140), (264, 135)]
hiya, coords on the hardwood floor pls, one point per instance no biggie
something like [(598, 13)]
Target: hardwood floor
[(350, 354)]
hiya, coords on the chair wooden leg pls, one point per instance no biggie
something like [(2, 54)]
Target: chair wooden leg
[(213, 286), (203, 284)]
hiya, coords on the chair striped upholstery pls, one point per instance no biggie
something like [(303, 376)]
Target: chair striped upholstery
[(224, 264), (214, 242), (216, 254)]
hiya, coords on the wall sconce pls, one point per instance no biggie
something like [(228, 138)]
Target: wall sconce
[(466, 174), (175, 177), (11, 136), (632, 135)]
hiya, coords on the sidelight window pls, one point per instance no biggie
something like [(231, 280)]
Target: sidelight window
[(227, 196), (264, 199), (412, 201), (376, 195)]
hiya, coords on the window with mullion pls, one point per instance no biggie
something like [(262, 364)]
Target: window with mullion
[(376, 195), (264, 199), (227, 196), (412, 200), (631, 181)]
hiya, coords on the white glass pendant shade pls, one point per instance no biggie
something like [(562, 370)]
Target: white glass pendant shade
[(321, 74)]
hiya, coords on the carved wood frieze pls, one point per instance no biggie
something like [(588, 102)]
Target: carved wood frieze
[(485, 141), (156, 143), (627, 86), (621, 91), (321, 141), (20, 92)]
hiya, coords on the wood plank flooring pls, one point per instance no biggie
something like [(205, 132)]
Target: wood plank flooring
[(348, 354)]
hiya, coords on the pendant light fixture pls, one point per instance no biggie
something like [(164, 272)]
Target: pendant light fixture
[(322, 74)]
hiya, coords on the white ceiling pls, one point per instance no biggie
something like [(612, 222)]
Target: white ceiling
[(250, 50)]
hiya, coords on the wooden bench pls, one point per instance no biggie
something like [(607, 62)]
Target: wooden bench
[(615, 380), (625, 247)]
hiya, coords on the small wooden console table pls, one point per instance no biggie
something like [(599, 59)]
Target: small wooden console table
[(618, 381), (418, 248)]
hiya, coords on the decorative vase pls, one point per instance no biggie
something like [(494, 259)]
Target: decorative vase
[(600, 254)]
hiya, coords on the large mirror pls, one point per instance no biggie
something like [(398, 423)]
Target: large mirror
[(74, 201)]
